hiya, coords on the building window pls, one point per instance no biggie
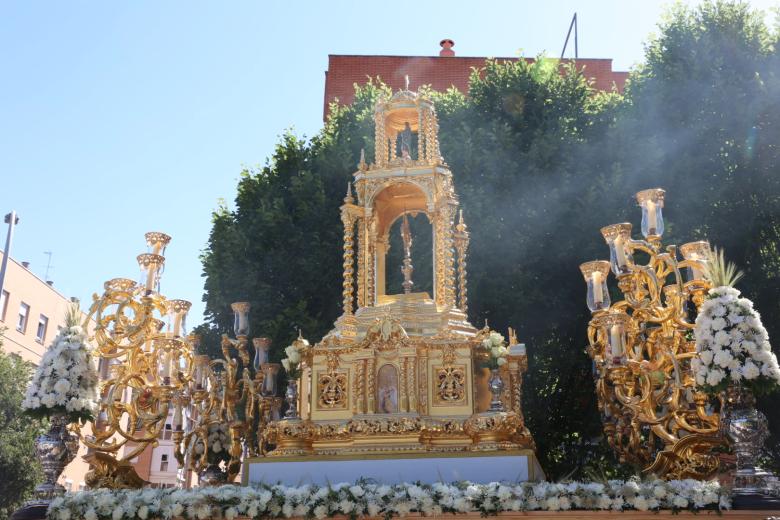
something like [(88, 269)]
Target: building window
[(43, 324), (164, 462), (3, 304), (167, 432), (24, 313)]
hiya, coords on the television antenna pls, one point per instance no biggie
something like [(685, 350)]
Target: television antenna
[(572, 25), (49, 267)]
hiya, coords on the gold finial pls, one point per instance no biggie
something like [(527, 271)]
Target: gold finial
[(362, 164), (348, 198), (461, 227)]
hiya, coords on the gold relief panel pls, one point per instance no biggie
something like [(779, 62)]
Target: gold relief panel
[(450, 385), (332, 390)]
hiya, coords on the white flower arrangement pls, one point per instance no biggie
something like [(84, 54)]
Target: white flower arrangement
[(732, 345), (218, 443), (496, 348), (294, 352), (66, 380), (369, 499)]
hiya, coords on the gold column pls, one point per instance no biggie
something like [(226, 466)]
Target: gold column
[(358, 387), (362, 267), (370, 384), (403, 406), (461, 246), (349, 231), (411, 383), (422, 377), (444, 262), (371, 261), (392, 141), (432, 153)]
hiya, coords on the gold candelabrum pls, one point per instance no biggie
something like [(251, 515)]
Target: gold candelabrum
[(154, 374), (140, 336), (654, 417), (232, 396)]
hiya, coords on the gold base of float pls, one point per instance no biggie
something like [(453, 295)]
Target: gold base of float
[(488, 431)]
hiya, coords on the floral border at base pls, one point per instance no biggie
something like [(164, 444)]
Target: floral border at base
[(368, 499)]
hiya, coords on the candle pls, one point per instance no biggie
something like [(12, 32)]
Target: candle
[(177, 416), (177, 324), (616, 341), (652, 217), (598, 293), (165, 364), (620, 253), (150, 277)]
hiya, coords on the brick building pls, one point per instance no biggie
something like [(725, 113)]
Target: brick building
[(440, 72)]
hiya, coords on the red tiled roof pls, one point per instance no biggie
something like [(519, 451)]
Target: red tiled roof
[(439, 72)]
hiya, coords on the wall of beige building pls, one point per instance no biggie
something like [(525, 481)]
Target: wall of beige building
[(31, 314)]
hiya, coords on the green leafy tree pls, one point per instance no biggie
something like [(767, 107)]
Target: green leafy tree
[(18, 463)]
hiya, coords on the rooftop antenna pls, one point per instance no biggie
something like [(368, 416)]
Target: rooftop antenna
[(572, 25), (49, 267)]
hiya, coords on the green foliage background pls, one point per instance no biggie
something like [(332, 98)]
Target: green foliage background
[(541, 162), (19, 466)]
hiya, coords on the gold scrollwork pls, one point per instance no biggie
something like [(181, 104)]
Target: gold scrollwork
[(332, 390), (450, 385)]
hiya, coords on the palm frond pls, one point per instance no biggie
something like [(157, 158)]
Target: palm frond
[(720, 272), (73, 315)]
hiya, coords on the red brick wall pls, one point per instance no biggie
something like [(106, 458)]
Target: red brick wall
[(439, 72)]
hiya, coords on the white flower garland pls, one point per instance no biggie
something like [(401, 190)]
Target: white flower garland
[(732, 344), (66, 380), (366, 499)]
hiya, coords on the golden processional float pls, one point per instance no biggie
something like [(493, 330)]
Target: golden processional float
[(654, 417), (400, 376)]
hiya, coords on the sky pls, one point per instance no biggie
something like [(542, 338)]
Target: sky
[(118, 118)]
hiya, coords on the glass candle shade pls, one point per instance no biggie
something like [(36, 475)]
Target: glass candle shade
[(200, 371), (613, 326), (177, 317), (595, 274), (164, 363), (270, 370), (240, 318), (697, 255), (156, 242), (652, 203), (151, 268), (618, 238), (261, 351)]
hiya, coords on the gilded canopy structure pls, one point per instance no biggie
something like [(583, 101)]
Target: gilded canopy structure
[(402, 372)]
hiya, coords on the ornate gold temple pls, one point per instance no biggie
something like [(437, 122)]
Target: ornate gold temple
[(402, 372)]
